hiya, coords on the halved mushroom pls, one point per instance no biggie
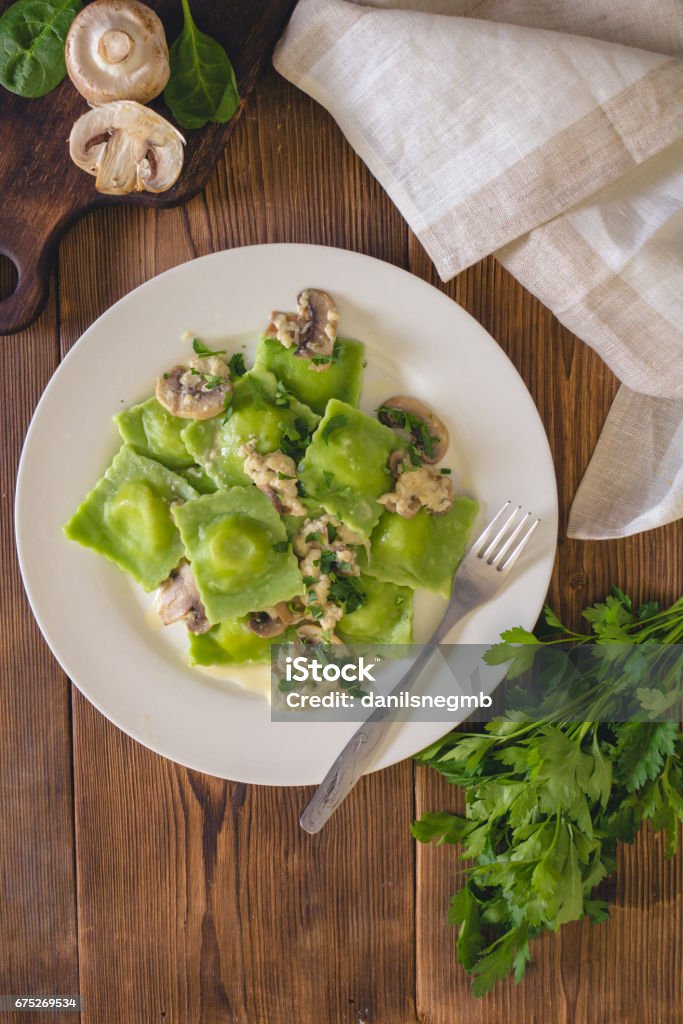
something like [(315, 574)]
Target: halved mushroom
[(128, 148), (178, 598), (197, 392), (415, 419), (116, 50), (313, 330), (274, 621)]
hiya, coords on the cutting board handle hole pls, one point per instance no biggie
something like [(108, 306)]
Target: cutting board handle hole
[(9, 277)]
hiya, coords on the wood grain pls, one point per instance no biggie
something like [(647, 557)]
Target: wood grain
[(43, 191), (625, 971), (201, 900), (246, 918), (38, 939)]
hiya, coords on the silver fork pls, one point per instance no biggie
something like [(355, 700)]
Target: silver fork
[(479, 576)]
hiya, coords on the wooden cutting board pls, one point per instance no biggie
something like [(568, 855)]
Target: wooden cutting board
[(42, 192)]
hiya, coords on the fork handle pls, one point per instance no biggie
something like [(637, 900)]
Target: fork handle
[(357, 755)]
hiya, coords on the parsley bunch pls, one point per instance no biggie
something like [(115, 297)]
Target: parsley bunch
[(549, 799)]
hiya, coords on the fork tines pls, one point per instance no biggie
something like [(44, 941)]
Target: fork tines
[(505, 537)]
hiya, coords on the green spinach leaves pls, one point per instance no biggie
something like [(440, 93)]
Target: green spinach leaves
[(32, 36), (202, 86)]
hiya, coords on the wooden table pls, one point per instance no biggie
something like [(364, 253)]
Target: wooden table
[(162, 895)]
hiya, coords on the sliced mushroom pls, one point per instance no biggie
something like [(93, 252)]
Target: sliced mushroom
[(313, 635), (116, 50), (178, 598), (313, 330), (397, 462), (128, 148), (197, 392), (428, 432), (273, 621)]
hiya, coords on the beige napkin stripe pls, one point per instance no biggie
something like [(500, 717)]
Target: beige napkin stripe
[(636, 124), (567, 275)]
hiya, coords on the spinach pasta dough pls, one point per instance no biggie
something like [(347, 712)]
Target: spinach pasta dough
[(341, 376), (127, 517), (423, 551), (261, 412), (237, 546), (385, 617), (345, 467), (264, 506)]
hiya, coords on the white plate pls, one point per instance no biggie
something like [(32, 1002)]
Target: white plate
[(418, 342)]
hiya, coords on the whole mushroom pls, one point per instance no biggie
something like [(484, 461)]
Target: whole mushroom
[(116, 50), (427, 432), (128, 148)]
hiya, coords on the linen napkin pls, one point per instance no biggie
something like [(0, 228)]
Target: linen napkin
[(551, 133)]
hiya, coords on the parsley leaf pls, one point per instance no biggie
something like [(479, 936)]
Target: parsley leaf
[(550, 797), (236, 365), (201, 349)]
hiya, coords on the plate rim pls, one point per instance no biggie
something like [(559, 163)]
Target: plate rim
[(53, 643)]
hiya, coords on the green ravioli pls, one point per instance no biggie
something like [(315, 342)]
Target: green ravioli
[(232, 643), (341, 379), (261, 411), (345, 467), (423, 551), (127, 517), (385, 618), (241, 560), (154, 432)]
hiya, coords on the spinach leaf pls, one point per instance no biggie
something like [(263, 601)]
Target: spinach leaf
[(32, 36), (202, 86)]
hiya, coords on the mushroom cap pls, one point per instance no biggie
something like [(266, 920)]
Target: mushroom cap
[(420, 412), (319, 317), (116, 50), (188, 393), (312, 331), (178, 598), (128, 148), (273, 621)]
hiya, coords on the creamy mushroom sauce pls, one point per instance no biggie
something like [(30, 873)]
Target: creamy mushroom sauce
[(381, 378)]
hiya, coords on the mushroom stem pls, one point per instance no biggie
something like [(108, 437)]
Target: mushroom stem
[(115, 46)]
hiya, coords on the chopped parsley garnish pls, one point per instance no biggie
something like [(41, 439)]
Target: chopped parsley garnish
[(236, 365), (446, 472), (201, 349), (347, 592), (281, 545), (327, 478), (326, 360), (284, 476), (311, 538), (334, 423), (331, 533), (296, 445), (413, 425), (327, 560), (282, 395)]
